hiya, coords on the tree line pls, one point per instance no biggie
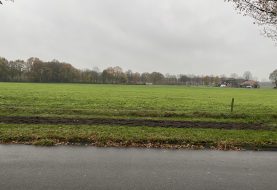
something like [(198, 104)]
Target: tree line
[(36, 70)]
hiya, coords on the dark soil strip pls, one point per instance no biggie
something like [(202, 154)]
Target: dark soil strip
[(127, 122)]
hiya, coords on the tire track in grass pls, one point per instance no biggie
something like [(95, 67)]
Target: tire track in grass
[(130, 122)]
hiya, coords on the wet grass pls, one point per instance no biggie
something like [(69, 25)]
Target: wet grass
[(48, 135), (144, 102), (121, 101)]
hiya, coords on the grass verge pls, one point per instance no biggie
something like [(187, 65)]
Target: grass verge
[(123, 136)]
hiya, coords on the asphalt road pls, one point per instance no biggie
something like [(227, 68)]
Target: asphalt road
[(29, 167)]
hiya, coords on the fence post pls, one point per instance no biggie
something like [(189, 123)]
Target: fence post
[(232, 105)]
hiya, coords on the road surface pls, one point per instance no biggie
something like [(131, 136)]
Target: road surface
[(65, 167)]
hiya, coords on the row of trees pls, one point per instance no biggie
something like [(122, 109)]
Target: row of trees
[(36, 70)]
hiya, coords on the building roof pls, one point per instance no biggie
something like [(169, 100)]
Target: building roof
[(249, 83)]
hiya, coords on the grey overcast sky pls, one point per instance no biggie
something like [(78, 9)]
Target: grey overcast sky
[(170, 36)]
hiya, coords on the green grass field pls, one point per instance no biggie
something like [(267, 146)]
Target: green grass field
[(86, 100), (147, 102)]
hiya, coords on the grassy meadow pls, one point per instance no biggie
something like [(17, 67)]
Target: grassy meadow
[(147, 102), (87, 100)]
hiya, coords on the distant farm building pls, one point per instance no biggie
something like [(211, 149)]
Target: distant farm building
[(148, 83), (250, 84), (231, 82)]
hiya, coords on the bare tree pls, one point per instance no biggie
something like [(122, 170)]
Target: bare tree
[(234, 75), (263, 11), (273, 77), (5, 0), (247, 75)]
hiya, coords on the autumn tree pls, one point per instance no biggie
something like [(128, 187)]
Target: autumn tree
[(156, 77), (132, 78), (114, 75), (146, 77)]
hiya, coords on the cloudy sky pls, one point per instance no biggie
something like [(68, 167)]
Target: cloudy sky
[(170, 36)]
